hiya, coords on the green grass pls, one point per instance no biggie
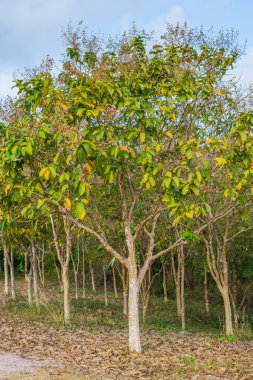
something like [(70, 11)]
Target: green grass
[(91, 313)]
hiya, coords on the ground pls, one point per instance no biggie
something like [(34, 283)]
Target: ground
[(98, 349)]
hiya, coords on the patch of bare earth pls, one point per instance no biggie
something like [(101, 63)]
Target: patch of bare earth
[(99, 355)]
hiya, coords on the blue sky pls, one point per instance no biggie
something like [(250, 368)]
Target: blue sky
[(30, 29)]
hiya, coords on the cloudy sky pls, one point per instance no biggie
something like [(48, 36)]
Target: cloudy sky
[(31, 29)]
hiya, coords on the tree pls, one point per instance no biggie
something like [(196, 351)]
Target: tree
[(134, 128)]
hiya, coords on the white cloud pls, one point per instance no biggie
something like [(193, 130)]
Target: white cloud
[(244, 70)]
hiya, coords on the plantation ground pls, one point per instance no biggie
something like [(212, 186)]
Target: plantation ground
[(96, 345)]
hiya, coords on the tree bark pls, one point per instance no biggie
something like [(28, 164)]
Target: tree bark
[(35, 274), (124, 279), (28, 278), (133, 312), (182, 299), (176, 277), (6, 273), (66, 303), (105, 286), (83, 273), (114, 283), (228, 312), (165, 294), (206, 293), (12, 273), (92, 277)]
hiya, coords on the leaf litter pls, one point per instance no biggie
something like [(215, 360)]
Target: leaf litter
[(104, 355)]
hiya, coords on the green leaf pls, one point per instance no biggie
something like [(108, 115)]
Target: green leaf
[(185, 189)]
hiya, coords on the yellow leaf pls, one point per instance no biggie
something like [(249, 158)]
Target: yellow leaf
[(67, 203), (88, 168), (218, 92), (42, 171), (63, 106), (142, 136), (82, 214), (47, 174), (220, 161), (6, 189), (169, 134), (239, 186), (124, 148), (131, 151), (173, 117)]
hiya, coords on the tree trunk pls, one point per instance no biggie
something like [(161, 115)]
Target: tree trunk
[(133, 309), (6, 273), (28, 279), (182, 299), (228, 312), (35, 275), (29, 286), (165, 295), (41, 267), (114, 283), (13, 288), (66, 303), (83, 273), (124, 278), (76, 285), (105, 286), (125, 311), (176, 276), (92, 277), (145, 307), (206, 293)]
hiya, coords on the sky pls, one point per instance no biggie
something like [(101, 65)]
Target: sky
[(31, 29)]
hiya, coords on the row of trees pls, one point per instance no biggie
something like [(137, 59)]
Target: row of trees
[(145, 150)]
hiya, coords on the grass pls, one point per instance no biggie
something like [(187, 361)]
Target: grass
[(91, 313)]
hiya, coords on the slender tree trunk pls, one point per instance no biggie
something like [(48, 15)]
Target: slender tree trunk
[(64, 256), (12, 273), (165, 294), (92, 278), (41, 267), (133, 308), (206, 293), (176, 276), (182, 288), (35, 275), (66, 303), (28, 279), (218, 267), (125, 309), (6, 273), (76, 268), (228, 312), (83, 273), (114, 283), (233, 296), (124, 278), (76, 285), (105, 286), (29, 286), (145, 307)]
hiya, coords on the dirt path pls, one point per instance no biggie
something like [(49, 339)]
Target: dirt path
[(13, 366)]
